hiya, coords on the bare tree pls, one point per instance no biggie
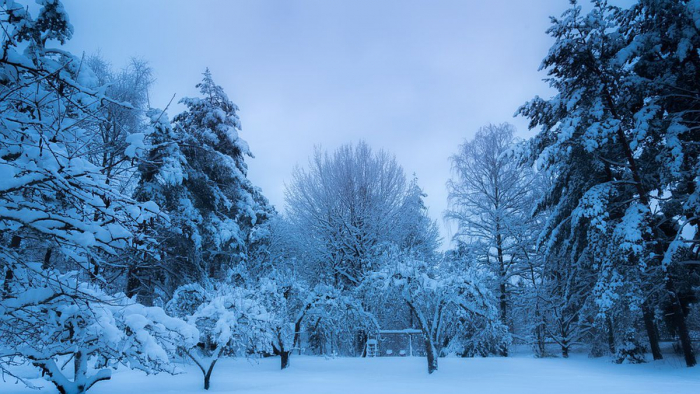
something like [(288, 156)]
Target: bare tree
[(344, 205), (489, 198), (129, 88)]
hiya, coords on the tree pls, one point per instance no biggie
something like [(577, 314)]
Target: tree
[(489, 197), (119, 121), (446, 302), (346, 204), (51, 315), (53, 196), (420, 233), (195, 170), (611, 144), (162, 173), (231, 320), (662, 48), (56, 206), (292, 305), (228, 206)]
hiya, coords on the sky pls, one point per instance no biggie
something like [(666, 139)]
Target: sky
[(415, 78)]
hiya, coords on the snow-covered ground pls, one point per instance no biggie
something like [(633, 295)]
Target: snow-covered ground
[(317, 375)]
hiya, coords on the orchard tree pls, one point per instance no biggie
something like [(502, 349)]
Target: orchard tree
[(230, 320), (54, 202), (448, 303), (50, 316), (57, 208), (294, 307)]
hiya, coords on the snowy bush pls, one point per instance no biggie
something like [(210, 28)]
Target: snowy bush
[(631, 351)]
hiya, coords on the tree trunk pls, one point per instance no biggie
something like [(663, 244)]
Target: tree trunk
[(207, 376), (432, 356), (681, 327), (651, 331), (9, 274), (47, 259), (504, 349), (539, 334), (503, 278), (284, 358), (132, 282), (611, 334)]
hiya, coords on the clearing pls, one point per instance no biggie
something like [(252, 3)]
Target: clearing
[(520, 374)]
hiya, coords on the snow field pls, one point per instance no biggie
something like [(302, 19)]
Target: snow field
[(317, 375)]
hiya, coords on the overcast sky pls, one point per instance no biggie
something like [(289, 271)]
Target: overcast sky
[(415, 78)]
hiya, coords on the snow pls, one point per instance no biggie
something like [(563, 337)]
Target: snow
[(316, 375)]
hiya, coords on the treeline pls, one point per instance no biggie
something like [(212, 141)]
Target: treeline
[(129, 237)]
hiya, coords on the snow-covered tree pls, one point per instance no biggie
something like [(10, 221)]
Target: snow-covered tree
[(54, 203), (121, 121), (448, 303), (225, 206), (344, 205), (490, 197), (51, 319), (662, 42), (195, 170), (418, 232), (58, 206), (613, 139), (295, 307), (162, 172), (230, 320)]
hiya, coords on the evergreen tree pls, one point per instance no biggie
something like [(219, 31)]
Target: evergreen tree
[(195, 169), (420, 233), (228, 207), (602, 137)]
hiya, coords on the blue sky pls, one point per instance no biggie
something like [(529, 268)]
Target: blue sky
[(412, 77)]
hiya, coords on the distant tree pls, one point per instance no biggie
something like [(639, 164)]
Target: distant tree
[(295, 307), (344, 205), (118, 120), (418, 232), (489, 196)]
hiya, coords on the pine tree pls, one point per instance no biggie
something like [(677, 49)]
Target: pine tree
[(662, 43), (601, 138), (224, 207), (420, 233)]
